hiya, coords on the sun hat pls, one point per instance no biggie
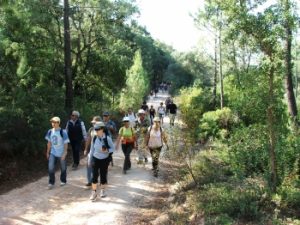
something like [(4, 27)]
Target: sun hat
[(156, 119), (141, 111), (126, 119), (98, 125), (96, 119), (55, 119)]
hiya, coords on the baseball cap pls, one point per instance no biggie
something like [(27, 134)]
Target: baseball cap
[(126, 118), (105, 114), (55, 119)]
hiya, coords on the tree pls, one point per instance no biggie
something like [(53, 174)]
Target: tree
[(136, 84)]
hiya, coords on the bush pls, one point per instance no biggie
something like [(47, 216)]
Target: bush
[(237, 199), (249, 150), (217, 123)]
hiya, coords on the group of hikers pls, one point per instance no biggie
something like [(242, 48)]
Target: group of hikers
[(142, 131)]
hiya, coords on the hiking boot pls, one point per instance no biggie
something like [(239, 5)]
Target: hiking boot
[(93, 196), (102, 193), (74, 166), (50, 186)]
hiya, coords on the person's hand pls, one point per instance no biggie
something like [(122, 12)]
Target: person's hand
[(47, 155), (63, 157), (85, 152)]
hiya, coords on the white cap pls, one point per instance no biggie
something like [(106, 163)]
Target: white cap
[(141, 111), (55, 119), (126, 118)]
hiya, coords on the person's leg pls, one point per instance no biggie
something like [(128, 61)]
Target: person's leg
[(140, 151), (51, 169), (124, 149), (96, 166), (63, 171), (76, 153), (89, 172), (155, 159), (104, 163)]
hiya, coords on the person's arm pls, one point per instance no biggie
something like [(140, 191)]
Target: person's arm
[(66, 141), (111, 145), (87, 144), (48, 149)]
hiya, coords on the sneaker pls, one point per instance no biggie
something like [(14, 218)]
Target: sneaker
[(155, 173), (62, 184), (93, 196), (102, 193), (50, 186), (124, 171), (75, 166)]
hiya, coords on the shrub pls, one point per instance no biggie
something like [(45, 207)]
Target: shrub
[(217, 123)]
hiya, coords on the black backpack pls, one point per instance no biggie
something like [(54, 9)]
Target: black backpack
[(105, 144)]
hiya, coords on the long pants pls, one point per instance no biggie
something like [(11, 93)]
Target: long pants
[(141, 152), (76, 146), (100, 165), (127, 149), (172, 119), (155, 152), (51, 169)]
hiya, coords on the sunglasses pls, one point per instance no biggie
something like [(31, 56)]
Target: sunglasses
[(99, 129), (54, 122)]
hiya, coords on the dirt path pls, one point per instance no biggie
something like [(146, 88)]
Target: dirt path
[(34, 204)]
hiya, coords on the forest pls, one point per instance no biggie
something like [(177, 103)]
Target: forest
[(239, 103)]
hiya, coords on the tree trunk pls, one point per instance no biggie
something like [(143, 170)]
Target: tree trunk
[(292, 105), (272, 136), (215, 74), (220, 70), (68, 60)]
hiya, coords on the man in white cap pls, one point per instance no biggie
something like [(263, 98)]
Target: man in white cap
[(77, 133), (57, 149), (141, 126)]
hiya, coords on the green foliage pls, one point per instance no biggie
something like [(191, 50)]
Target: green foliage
[(136, 84), (217, 123), (249, 150), (193, 102)]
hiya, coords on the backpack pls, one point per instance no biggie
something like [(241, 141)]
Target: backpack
[(61, 132), (104, 139)]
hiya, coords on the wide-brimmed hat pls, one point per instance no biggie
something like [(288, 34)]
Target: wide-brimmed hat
[(99, 125), (96, 119)]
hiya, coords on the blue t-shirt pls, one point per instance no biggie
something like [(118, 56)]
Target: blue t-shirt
[(57, 141), (96, 148)]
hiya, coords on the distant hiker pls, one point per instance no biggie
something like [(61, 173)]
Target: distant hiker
[(161, 110), (111, 128), (109, 124), (90, 135), (101, 149), (57, 149), (172, 108), (132, 117), (151, 114), (154, 140), (128, 141), (145, 107), (77, 133), (141, 129)]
